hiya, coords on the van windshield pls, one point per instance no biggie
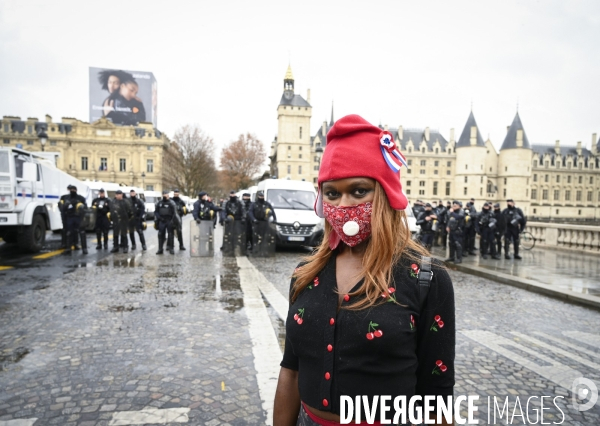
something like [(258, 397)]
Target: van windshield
[(291, 199), (4, 162), (150, 199)]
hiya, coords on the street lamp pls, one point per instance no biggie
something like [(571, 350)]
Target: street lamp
[(143, 181), (43, 138)]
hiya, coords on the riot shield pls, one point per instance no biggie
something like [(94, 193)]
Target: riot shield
[(201, 239), (264, 239), (228, 238), (239, 238)]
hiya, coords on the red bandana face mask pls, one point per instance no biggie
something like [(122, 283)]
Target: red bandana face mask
[(350, 233)]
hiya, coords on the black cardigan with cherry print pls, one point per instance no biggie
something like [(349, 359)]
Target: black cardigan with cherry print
[(390, 349)]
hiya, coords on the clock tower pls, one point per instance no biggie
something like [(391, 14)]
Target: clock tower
[(291, 150)]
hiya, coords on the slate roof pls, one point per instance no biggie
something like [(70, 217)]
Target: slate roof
[(540, 150), (297, 100), (417, 136), (465, 136), (510, 141)]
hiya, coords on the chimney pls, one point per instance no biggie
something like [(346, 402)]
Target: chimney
[(385, 127), (594, 144), (593, 139), (452, 135), (557, 147), (400, 133), (427, 134), (519, 138), (507, 129), (324, 129), (308, 96), (579, 148), (473, 135), (48, 119)]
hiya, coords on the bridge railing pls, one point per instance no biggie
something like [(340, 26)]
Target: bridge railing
[(580, 238)]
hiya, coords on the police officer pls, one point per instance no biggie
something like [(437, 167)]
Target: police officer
[(515, 224), (485, 226), (455, 229), (120, 213), (137, 222), (74, 208), (500, 227), (425, 221), (470, 231), (441, 212), (203, 208), (234, 209), (418, 208), (63, 216), (165, 212), (246, 203), (178, 223), (102, 206)]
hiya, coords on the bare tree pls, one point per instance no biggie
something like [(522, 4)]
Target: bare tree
[(242, 160), (189, 163)]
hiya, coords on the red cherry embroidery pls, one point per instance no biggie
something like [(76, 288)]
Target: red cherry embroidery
[(370, 336), (443, 368), (316, 281), (439, 366), (438, 362), (378, 333), (391, 290), (327, 376), (331, 321), (325, 403), (346, 298), (373, 331), (298, 317), (414, 270), (412, 323), (329, 348), (437, 322)]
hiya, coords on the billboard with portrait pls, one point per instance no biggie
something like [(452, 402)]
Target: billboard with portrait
[(124, 97)]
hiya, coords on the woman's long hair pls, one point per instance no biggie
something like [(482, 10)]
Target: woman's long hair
[(390, 240)]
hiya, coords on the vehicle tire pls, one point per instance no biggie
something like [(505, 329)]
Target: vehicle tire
[(34, 236), (527, 240), (10, 237)]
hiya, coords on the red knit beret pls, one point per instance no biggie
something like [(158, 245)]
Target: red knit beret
[(356, 148)]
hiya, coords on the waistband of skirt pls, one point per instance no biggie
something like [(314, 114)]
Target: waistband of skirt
[(323, 422)]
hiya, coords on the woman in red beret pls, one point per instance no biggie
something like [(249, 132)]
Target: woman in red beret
[(363, 320)]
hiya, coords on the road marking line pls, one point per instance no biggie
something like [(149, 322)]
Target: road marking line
[(49, 254), (4, 268), (568, 344), (222, 386), (265, 347), (587, 338), (273, 296), (150, 415), (556, 372), (559, 351), (18, 422)]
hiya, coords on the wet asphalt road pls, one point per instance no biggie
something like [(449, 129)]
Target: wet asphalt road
[(84, 338)]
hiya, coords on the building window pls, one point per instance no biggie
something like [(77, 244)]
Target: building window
[(409, 162), (534, 211), (556, 195), (103, 164), (589, 196), (435, 172), (449, 164), (408, 182), (535, 163), (567, 195), (435, 188), (591, 180), (421, 183), (299, 148), (6, 128), (122, 165), (408, 171), (422, 171), (423, 150), (421, 192), (6, 141), (408, 192), (436, 163), (544, 194), (29, 142), (568, 179), (465, 191), (466, 179), (580, 179), (448, 189), (546, 164), (299, 170), (448, 172), (466, 167), (557, 178), (289, 169), (504, 192), (534, 194), (299, 155), (535, 178), (149, 187), (84, 163), (504, 181), (300, 132), (149, 166), (149, 147), (52, 143), (545, 178), (578, 196), (423, 162), (29, 129)]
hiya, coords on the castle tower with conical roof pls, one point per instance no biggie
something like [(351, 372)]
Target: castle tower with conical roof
[(470, 178), (514, 165)]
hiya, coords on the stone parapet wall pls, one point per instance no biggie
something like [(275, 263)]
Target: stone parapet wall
[(582, 238)]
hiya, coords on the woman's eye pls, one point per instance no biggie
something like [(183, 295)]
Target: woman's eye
[(331, 194), (360, 192)]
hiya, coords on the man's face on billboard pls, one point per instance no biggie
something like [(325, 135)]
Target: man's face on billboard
[(113, 83), (129, 90)]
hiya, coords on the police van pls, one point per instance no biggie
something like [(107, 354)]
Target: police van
[(30, 189), (293, 202)]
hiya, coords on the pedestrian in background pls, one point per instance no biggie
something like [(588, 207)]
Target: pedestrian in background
[(178, 222), (165, 211), (63, 217), (101, 205), (137, 222), (120, 213), (426, 221), (485, 226), (74, 207), (455, 229), (515, 224)]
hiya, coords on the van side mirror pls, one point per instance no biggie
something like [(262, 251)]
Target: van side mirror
[(30, 172)]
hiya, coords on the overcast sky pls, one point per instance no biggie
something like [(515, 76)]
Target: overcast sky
[(221, 64)]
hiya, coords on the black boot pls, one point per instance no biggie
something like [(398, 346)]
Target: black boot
[(459, 254), (161, 243), (181, 247), (83, 238), (143, 241), (516, 256), (98, 240), (452, 254), (115, 249), (506, 256)]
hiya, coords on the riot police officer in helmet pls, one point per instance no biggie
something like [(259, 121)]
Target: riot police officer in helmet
[(515, 224), (63, 216), (500, 227), (455, 229), (485, 226), (120, 213), (165, 212), (425, 220), (203, 208), (178, 223), (137, 222), (101, 205), (246, 203), (74, 208)]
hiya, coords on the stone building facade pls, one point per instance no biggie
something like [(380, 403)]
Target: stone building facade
[(546, 181), (99, 151)]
